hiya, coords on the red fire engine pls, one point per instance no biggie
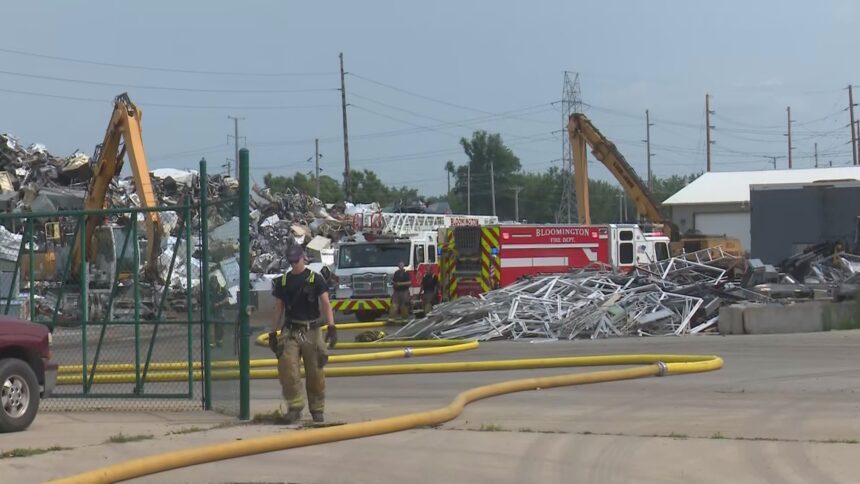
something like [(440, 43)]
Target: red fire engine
[(477, 259)]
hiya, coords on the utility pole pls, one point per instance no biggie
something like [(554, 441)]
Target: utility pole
[(317, 162), (346, 187), (773, 160), (236, 142), (493, 187), (857, 130), (517, 203), (788, 113), (815, 150), (648, 148), (469, 188), (853, 133), (708, 130)]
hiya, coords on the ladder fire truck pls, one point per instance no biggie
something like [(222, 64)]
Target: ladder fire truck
[(477, 259), (364, 267)]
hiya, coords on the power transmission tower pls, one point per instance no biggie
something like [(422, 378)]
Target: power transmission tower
[(346, 187), (235, 143), (571, 102)]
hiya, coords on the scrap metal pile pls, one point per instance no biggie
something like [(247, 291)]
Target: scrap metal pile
[(677, 296)]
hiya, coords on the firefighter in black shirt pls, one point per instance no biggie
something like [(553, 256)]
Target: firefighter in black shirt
[(429, 287), (301, 295), (400, 295)]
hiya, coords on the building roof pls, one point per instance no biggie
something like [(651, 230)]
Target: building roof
[(734, 186)]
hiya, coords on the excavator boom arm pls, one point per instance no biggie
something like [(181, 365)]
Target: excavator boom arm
[(582, 133), (124, 126)]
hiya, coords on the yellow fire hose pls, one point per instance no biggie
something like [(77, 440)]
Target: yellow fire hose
[(657, 365), (226, 370), (410, 348)]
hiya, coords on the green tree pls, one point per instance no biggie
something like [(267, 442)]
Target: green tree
[(330, 189), (450, 170), (483, 150)]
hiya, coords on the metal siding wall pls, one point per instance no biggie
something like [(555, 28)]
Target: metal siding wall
[(783, 220)]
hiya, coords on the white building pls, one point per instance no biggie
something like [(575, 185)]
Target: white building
[(718, 203)]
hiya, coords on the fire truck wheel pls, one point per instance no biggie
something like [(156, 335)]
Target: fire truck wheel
[(366, 316)]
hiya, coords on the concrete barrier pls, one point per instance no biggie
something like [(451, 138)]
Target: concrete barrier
[(799, 317)]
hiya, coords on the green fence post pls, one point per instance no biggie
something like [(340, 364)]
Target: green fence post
[(84, 311), (136, 284), (189, 310), (32, 268), (204, 285), (244, 286), (15, 275)]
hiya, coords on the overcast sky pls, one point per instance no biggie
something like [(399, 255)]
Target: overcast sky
[(423, 74)]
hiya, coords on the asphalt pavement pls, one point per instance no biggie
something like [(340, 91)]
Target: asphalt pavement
[(784, 408)]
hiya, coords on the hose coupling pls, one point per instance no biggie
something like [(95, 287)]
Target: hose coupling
[(663, 367)]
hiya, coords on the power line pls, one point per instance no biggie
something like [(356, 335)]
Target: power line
[(163, 88), (163, 69), (428, 98), (163, 105)]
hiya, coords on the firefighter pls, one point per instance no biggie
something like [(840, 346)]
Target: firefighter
[(400, 296), (219, 300), (300, 296), (429, 287)]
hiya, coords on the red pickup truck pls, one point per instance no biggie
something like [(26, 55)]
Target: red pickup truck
[(26, 371)]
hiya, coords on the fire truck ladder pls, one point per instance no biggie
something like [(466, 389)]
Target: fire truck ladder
[(408, 224)]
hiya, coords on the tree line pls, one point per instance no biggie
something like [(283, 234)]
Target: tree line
[(539, 192)]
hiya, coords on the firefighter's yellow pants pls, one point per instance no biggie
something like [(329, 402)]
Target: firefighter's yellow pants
[(302, 345), (400, 301)]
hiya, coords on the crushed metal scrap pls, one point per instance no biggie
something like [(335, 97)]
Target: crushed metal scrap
[(681, 295)]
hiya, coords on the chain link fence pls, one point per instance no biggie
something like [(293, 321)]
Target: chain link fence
[(222, 314), (139, 301)]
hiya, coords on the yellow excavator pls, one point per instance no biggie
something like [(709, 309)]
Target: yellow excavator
[(124, 127), (582, 133)]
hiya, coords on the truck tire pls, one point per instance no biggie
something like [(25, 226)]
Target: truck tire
[(366, 316), (19, 395)]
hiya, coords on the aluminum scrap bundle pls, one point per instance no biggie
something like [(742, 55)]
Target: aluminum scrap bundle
[(583, 305)]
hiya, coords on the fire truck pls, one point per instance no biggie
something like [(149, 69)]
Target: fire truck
[(364, 267), (477, 259)]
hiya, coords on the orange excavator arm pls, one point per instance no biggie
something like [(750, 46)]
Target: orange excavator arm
[(582, 133), (124, 126)]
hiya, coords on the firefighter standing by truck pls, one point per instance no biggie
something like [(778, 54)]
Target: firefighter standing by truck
[(429, 288), (301, 295), (400, 295)]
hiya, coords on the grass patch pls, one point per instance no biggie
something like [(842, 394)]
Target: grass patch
[(492, 428), (30, 451), (122, 438), (674, 435), (836, 441), (717, 436), (533, 431), (188, 430)]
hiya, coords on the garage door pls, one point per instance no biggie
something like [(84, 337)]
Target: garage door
[(733, 224)]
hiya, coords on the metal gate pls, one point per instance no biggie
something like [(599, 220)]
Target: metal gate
[(131, 331)]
